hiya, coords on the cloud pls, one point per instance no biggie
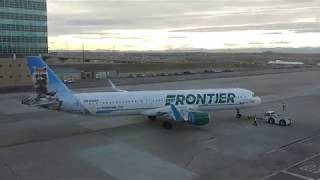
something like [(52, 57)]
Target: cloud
[(175, 24), (272, 33), (231, 44), (178, 37), (100, 36), (81, 16), (281, 42), (295, 26), (256, 43), (308, 30)]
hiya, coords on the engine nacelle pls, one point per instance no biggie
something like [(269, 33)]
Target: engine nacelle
[(198, 118)]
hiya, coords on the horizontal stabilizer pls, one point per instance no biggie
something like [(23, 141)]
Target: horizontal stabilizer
[(115, 88)]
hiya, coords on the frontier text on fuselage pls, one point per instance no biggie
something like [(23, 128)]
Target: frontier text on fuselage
[(191, 99)]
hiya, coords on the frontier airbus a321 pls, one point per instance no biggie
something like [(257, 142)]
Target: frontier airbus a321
[(187, 106)]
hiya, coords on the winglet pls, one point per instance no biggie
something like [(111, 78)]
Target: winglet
[(176, 114), (115, 88)]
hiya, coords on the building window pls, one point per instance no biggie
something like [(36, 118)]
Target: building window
[(10, 77), (1, 77)]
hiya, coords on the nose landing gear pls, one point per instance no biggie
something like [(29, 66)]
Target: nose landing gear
[(238, 115), (152, 118)]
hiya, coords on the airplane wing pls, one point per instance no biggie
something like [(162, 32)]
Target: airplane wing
[(187, 114), (172, 112), (115, 88)]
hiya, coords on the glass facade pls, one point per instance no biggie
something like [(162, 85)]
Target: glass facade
[(23, 27)]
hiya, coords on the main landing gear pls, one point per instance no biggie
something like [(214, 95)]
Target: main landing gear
[(152, 118), (238, 115), (167, 125)]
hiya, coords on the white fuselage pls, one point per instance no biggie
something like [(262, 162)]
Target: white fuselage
[(140, 102)]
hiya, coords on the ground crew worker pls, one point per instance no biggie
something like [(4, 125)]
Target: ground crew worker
[(255, 123), (284, 107)]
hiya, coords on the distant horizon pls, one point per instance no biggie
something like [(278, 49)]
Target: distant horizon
[(300, 50)]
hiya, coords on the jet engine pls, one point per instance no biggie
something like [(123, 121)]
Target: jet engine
[(198, 118)]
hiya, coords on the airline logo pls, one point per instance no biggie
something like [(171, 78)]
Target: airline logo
[(192, 99)]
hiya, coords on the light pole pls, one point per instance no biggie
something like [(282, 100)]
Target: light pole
[(83, 53)]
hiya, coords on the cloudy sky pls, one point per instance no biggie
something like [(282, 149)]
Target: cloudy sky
[(183, 24)]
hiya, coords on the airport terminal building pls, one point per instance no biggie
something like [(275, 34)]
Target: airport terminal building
[(23, 27)]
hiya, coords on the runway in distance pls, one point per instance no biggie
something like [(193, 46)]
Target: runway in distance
[(188, 106)]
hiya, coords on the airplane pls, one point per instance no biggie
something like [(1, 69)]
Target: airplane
[(186, 106)]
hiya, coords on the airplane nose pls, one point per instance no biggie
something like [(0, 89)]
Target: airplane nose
[(257, 100)]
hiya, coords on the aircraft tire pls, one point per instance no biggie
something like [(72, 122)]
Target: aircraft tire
[(152, 118), (167, 125)]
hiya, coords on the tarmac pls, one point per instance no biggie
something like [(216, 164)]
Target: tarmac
[(37, 144)]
